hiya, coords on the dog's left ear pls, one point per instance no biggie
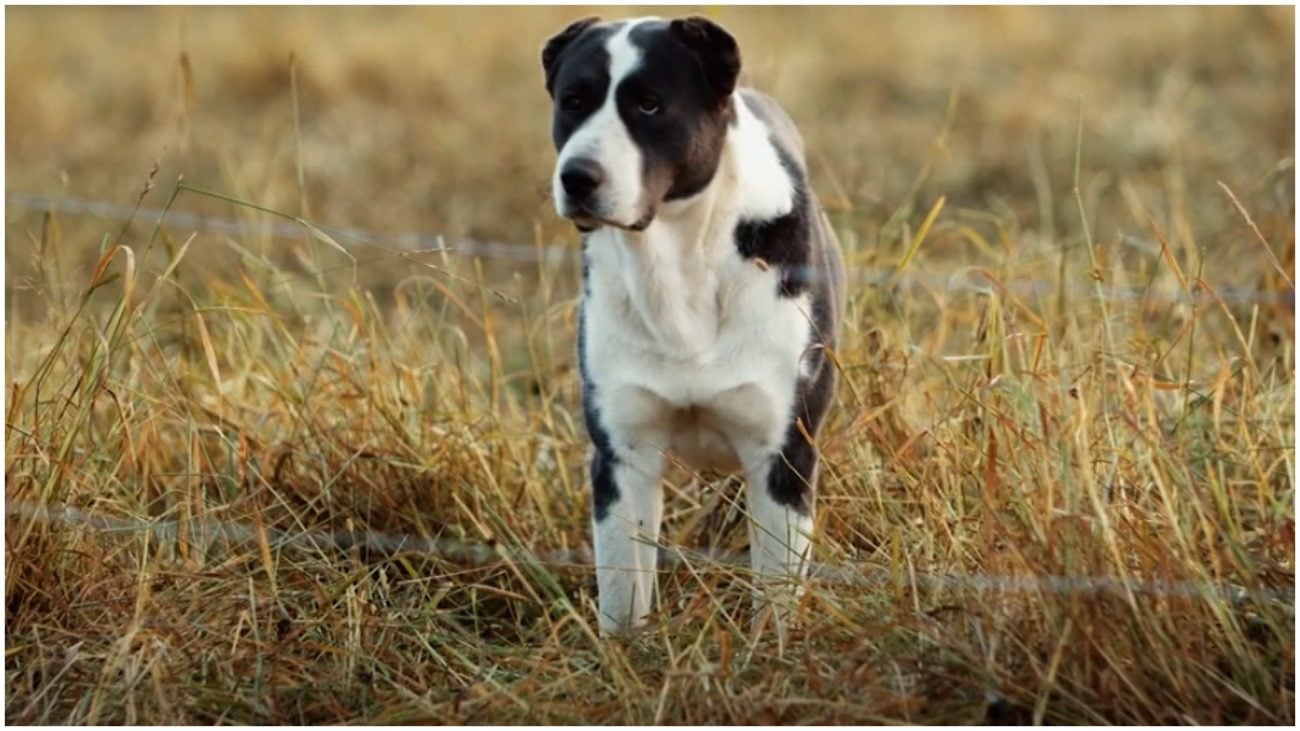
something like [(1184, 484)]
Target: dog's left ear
[(717, 50), (555, 47)]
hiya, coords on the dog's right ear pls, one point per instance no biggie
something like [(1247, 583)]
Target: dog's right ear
[(555, 47)]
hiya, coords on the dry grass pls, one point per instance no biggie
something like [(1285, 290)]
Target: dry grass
[(996, 418)]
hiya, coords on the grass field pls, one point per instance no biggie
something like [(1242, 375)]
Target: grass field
[(1061, 465)]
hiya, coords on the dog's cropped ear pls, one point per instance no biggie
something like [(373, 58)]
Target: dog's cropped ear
[(716, 49), (555, 47)]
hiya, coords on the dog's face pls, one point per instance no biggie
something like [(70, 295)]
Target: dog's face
[(640, 114)]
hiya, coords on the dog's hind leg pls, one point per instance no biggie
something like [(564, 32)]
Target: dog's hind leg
[(628, 509), (780, 492)]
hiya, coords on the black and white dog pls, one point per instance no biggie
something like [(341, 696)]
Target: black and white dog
[(712, 287)]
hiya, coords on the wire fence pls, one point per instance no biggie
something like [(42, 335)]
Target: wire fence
[(482, 554), (953, 280)]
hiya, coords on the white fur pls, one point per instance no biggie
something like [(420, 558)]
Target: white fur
[(627, 539), (605, 139), (778, 540), (691, 351)]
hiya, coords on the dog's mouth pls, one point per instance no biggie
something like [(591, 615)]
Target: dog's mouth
[(586, 221)]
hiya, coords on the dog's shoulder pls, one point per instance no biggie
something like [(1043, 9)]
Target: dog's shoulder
[(783, 239), (780, 126), (801, 240)]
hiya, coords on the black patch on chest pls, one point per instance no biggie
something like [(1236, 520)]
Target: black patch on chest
[(784, 242)]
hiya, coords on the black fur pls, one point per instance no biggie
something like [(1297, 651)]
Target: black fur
[(790, 480), (785, 241), (715, 48), (693, 71), (554, 47), (577, 76)]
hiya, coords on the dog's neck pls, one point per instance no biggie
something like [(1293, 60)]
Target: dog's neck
[(674, 270)]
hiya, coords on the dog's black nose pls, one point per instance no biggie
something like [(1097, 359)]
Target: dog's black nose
[(580, 178)]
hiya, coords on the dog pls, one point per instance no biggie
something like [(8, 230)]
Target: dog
[(712, 293)]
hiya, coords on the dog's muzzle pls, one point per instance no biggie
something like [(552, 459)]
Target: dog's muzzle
[(581, 179)]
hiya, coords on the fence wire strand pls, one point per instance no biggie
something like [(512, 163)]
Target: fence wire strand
[(954, 280), (483, 553)]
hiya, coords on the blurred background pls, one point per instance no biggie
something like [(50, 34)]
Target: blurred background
[(434, 120)]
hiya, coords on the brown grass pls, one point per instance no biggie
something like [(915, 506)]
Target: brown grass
[(186, 408)]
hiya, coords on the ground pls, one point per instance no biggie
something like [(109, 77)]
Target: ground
[(292, 425)]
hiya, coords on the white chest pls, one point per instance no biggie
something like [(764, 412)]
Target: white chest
[(686, 341), (707, 345)]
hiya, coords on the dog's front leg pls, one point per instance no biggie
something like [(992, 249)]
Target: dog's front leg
[(628, 507)]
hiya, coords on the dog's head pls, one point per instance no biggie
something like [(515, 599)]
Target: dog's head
[(641, 110)]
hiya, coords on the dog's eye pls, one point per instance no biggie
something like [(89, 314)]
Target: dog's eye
[(571, 102), (649, 105)]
